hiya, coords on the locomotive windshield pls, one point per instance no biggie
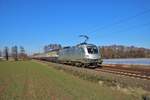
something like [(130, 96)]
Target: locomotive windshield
[(92, 49)]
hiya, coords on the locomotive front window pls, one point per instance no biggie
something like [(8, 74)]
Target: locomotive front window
[(92, 50)]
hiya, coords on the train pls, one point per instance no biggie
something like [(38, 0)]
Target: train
[(81, 55)]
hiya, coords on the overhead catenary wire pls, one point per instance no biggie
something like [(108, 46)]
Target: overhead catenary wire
[(133, 27), (120, 21)]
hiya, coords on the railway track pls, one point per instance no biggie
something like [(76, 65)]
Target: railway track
[(141, 74), (129, 73)]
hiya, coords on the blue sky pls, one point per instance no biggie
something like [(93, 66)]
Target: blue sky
[(34, 23)]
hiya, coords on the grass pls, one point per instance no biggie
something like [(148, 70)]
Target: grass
[(27, 80)]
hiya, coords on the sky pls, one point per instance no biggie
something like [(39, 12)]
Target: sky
[(35, 23)]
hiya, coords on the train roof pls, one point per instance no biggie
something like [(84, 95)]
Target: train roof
[(85, 44), (66, 47)]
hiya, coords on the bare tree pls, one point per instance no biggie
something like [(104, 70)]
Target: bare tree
[(6, 50), (14, 51), (22, 54), (22, 50), (120, 51), (0, 53)]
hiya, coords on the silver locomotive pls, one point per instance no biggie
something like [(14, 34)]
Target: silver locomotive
[(80, 55), (83, 55)]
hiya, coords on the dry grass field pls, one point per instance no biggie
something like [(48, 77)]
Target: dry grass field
[(28, 80)]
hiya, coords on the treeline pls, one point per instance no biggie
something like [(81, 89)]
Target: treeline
[(14, 53), (120, 51)]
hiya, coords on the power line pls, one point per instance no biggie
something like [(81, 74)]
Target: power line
[(134, 27), (121, 21)]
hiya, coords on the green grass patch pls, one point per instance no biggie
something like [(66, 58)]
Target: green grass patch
[(27, 80)]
